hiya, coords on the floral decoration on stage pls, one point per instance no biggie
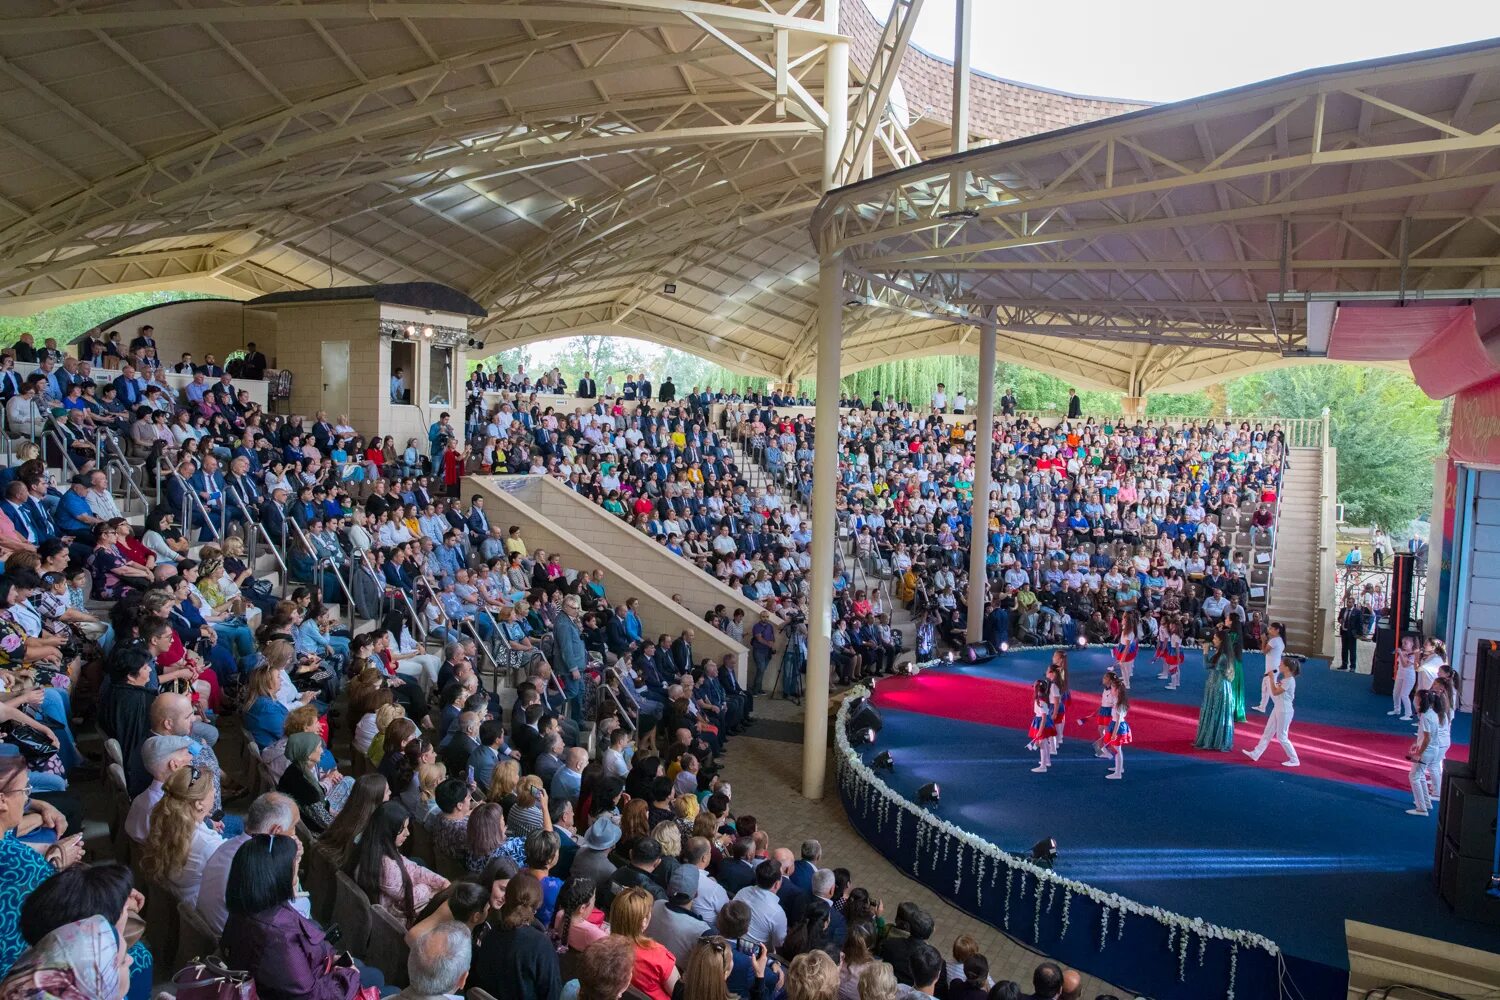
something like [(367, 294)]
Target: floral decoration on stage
[(993, 869)]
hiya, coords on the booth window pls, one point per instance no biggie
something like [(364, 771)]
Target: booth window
[(403, 370), (440, 377)]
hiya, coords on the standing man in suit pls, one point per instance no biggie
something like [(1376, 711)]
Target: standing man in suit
[(1008, 402), (643, 388), (145, 337), (1075, 405), (586, 388), (682, 651), (253, 364)]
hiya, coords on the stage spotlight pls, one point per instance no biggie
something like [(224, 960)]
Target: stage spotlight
[(929, 793), (907, 669), (864, 736), (427, 332), (1005, 647), (411, 331), (884, 761), (1044, 853), (1082, 641)]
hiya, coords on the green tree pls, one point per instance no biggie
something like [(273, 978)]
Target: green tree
[(1385, 428), (67, 321)]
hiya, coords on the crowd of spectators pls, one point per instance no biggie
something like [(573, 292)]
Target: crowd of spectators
[(1089, 519), (478, 824)]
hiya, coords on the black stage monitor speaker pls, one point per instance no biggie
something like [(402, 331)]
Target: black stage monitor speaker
[(1383, 664), (864, 716), (1485, 742), (979, 652), (1399, 618)]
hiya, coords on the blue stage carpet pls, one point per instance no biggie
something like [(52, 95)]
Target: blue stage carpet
[(1261, 849)]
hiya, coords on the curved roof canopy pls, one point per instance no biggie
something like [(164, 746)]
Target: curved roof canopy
[(1190, 238), (561, 163)]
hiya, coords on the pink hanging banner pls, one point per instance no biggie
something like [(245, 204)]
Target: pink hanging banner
[(1441, 341), (1475, 435)]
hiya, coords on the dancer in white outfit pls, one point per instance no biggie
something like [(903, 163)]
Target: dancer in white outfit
[(1274, 648), (1278, 726), (1423, 753), (1406, 677)]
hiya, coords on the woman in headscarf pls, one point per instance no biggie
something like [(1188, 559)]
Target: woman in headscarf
[(84, 960), (302, 781)]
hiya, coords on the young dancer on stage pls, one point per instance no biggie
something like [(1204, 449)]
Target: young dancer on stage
[(1042, 730), (1057, 694), (1118, 733), (1105, 712), (1424, 752), (1126, 649), (1274, 649), (1169, 652), (1406, 677), (1284, 691)]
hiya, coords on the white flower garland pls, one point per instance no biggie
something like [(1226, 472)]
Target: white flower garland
[(870, 795)]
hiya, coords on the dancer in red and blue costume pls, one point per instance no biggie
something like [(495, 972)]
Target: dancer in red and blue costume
[(1042, 730), (1169, 652), (1118, 735), (1058, 695), (1126, 649)]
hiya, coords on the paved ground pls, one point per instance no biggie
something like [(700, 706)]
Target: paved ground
[(765, 767)]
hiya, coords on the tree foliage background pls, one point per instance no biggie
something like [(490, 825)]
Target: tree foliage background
[(1386, 430)]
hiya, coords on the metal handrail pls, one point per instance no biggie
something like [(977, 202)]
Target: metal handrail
[(189, 499), (319, 565), (51, 432), (489, 655), (418, 626), (624, 715)]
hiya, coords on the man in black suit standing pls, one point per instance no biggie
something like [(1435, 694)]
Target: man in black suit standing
[(643, 388), (1075, 405), (253, 364), (1008, 402), (145, 337), (682, 651), (586, 388)]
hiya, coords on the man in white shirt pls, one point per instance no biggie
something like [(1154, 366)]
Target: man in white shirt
[(272, 813), (767, 918), (711, 897), (161, 755)]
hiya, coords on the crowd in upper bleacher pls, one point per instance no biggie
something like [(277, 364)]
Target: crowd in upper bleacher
[(1090, 518)]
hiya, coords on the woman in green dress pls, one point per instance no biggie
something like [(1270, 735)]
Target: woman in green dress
[(1234, 647), (1216, 717)]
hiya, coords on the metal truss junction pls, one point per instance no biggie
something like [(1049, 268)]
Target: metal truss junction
[(1199, 224)]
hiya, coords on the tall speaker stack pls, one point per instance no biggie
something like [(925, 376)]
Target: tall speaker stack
[(1398, 619), (1465, 854)]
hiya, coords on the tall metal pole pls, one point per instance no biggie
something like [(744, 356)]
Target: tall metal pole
[(826, 430), (963, 18), (984, 458)]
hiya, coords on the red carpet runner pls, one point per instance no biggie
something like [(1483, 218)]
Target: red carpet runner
[(1337, 753)]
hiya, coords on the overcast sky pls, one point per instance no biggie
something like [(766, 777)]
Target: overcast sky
[(1167, 50)]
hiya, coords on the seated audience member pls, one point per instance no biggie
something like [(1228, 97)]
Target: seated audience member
[(81, 892), (180, 842), (387, 876), (287, 954), (515, 958), (161, 756), (273, 814), (438, 963)]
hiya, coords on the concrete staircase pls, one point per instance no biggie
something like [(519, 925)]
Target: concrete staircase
[(1293, 595)]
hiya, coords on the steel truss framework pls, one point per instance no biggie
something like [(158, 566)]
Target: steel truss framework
[(1180, 226), (561, 162)]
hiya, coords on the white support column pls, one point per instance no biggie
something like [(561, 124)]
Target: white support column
[(963, 18), (824, 526), (836, 105), (984, 457)]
